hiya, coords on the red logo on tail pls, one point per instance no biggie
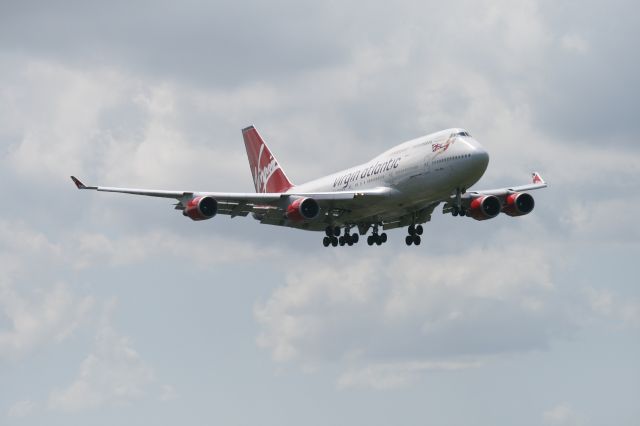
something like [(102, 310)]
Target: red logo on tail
[(267, 173)]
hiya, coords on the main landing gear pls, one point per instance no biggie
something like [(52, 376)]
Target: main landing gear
[(334, 238), (414, 235), (458, 209), (331, 238), (376, 238)]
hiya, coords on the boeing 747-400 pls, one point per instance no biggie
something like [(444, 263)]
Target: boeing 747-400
[(400, 187)]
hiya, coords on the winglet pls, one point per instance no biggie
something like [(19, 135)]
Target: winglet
[(537, 178), (79, 184)]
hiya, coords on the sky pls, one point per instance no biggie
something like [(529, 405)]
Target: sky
[(116, 309)]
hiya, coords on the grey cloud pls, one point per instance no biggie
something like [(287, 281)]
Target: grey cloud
[(36, 310), (410, 308), (152, 95), (222, 43), (22, 408), (113, 373), (587, 90), (521, 53)]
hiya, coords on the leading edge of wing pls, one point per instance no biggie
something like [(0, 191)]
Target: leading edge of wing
[(250, 197), (344, 195), (179, 195), (538, 183), (133, 191), (319, 196)]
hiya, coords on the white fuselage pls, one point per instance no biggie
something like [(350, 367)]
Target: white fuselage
[(420, 171)]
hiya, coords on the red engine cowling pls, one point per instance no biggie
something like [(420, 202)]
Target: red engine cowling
[(485, 207), (518, 204), (201, 208), (303, 209)]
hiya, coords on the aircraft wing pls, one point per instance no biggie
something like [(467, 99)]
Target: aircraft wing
[(537, 183), (241, 204), (512, 200)]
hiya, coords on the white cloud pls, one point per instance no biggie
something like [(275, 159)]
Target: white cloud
[(103, 124), (562, 415), (20, 243), (89, 249), (49, 315), (574, 43), (372, 313), (521, 29), (43, 312), (396, 375), (384, 74), (112, 374), (21, 408), (606, 304), (34, 314), (56, 117), (595, 221), (168, 393)]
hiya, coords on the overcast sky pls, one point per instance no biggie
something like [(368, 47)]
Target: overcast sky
[(118, 310)]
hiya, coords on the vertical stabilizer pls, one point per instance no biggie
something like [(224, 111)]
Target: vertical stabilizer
[(268, 176)]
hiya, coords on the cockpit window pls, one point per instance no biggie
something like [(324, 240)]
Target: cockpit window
[(463, 134)]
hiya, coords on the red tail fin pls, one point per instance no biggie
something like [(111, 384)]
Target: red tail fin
[(268, 176)]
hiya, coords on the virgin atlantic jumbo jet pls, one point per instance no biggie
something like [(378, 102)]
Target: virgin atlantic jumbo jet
[(400, 187)]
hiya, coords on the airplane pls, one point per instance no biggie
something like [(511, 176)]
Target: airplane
[(400, 187)]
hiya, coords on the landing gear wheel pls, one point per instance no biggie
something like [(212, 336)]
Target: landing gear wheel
[(326, 241), (334, 241), (462, 212), (454, 212), (409, 240), (336, 231), (370, 240), (355, 238), (419, 230), (341, 241), (412, 229), (379, 241), (417, 240), (383, 237), (328, 231)]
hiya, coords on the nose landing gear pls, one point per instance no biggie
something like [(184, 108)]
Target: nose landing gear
[(458, 209)]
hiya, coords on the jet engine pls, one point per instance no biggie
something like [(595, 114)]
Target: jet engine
[(201, 208), (485, 207), (303, 209), (518, 204)]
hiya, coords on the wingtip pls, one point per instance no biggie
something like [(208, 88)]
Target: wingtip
[(77, 182), (537, 178)]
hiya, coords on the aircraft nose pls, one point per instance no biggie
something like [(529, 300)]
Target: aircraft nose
[(480, 155), (483, 156)]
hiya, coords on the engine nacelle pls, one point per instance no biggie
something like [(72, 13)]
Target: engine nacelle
[(485, 207), (201, 208), (303, 209), (518, 204)]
